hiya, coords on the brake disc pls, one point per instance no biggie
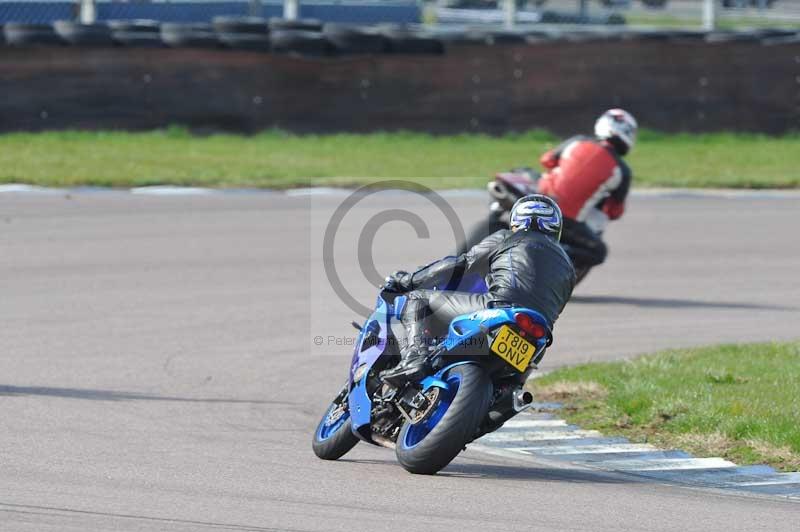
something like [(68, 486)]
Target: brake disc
[(336, 414), (432, 398)]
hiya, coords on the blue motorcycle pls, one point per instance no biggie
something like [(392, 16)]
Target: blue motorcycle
[(479, 365)]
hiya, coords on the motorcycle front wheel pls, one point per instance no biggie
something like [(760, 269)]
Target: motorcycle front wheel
[(334, 435)]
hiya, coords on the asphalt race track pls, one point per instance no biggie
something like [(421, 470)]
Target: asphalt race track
[(159, 366)]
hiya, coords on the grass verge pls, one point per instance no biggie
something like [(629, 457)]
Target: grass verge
[(725, 21), (275, 159), (741, 402)]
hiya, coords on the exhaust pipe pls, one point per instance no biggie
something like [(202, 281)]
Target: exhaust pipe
[(521, 400), (508, 406)]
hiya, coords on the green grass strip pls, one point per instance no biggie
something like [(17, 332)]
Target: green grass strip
[(725, 21), (275, 159), (741, 402)]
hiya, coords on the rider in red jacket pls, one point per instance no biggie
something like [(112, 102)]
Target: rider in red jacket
[(590, 181)]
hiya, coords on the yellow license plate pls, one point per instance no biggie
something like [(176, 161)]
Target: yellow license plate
[(513, 348)]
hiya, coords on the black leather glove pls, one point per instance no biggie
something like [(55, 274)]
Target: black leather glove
[(398, 282)]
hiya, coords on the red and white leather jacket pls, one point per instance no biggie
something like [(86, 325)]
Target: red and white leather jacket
[(586, 175)]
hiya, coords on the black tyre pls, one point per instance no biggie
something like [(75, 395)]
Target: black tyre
[(308, 24), (135, 25), (138, 39), (426, 447), (19, 34), (350, 39), (249, 25), (79, 34), (139, 33), (334, 436), (194, 35), (299, 42), (245, 41)]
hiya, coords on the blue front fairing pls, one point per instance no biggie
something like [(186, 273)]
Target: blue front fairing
[(371, 344)]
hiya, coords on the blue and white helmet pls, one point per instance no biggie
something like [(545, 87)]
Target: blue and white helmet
[(537, 212)]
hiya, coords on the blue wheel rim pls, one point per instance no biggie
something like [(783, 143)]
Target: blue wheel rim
[(326, 430), (417, 433)]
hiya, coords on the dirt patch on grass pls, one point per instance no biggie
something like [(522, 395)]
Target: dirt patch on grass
[(564, 391), (781, 457), (712, 444)]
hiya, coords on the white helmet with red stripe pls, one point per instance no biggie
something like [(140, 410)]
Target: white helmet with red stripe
[(617, 123)]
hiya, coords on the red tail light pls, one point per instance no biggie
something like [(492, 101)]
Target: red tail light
[(529, 326)]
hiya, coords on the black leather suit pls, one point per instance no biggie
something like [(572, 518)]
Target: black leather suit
[(525, 268)]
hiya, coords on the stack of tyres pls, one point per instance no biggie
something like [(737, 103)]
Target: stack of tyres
[(139, 33), (351, 39), (401, 39), (303, 24), (189, 35), (301, 37), (79, 34), (242, 33), (19, 34)]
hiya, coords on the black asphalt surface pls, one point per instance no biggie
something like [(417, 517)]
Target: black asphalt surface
[(159, 368)]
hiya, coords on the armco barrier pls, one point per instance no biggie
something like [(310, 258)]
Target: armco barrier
[(672, 86)]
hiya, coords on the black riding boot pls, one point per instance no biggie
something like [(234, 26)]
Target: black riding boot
[(413, 356)]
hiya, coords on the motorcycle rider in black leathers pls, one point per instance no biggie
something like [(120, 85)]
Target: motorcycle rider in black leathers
[(524, 266)]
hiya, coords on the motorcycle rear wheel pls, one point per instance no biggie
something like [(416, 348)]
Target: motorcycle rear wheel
[(427, 447)]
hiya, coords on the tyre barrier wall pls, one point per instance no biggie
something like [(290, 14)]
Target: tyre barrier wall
[(236, 75), (32, 12)]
